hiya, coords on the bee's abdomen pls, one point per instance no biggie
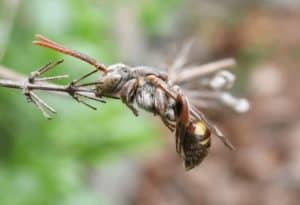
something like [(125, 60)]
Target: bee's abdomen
[(196, 144), (202, 132)]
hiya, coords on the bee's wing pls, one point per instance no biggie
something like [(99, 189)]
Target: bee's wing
[(180, 134)]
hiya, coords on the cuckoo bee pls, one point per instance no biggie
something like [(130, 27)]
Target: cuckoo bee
[(151, 90)]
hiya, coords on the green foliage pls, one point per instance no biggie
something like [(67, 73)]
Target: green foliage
[(156, 15), (44, 162)]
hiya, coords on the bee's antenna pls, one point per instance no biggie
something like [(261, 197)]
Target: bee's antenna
[(44, 42)]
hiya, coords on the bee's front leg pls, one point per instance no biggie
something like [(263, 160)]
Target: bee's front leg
[(127, 94)]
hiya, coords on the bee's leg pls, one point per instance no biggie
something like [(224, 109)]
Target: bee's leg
[(182, 105), (127, 94), (161, 98), (160, 101), (160, 106), (168, 124)]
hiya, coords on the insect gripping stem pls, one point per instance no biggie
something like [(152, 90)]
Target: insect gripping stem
[(44, 42)]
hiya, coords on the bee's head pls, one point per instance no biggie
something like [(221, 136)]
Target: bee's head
[(112, 81)]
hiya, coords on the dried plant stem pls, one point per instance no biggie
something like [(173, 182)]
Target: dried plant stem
[(10, 79), (45, 87), (195, 72)]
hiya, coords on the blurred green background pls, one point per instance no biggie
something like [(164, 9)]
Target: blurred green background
[(47, 162), (109, 156)]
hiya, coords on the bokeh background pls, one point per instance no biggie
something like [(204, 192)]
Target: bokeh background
[(111, 157)]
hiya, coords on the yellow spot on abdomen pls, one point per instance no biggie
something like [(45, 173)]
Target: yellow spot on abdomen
[(200, 128), (205, 142)]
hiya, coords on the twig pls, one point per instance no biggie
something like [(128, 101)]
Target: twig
[(180, 59), (35, 82), (195, 72), (52, 78), (43, 70), (45, 87), (43, 103), (85, 76)]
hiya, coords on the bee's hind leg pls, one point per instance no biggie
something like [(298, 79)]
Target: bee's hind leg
[(127, 95)]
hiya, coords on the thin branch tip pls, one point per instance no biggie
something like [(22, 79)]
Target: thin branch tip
[(34, 82)]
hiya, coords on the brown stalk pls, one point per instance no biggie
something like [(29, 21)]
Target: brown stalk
[(34, 82)]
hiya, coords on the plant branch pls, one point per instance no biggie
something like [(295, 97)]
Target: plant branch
[(10, 79), (194, 72)]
